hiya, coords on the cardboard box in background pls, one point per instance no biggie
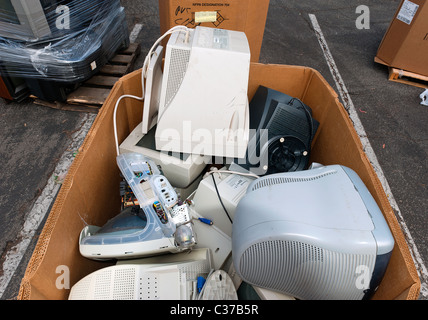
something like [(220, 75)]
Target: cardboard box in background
[(89, 194), (248, 16), (405, 44)]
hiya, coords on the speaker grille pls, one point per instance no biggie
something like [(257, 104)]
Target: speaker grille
[(302, 270), (177, 70)]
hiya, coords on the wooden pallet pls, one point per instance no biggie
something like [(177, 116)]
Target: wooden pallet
[(407, 77), (91, 94)]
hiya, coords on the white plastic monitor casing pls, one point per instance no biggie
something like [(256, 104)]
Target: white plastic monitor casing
[(179, 172), (204, 105), (197, 254), (156, 246), (263, 293), (209, 236), (323, 219), (149, 236), (152, 90), (231, 187), (167, 277)]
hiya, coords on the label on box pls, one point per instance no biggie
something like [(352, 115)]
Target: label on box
[(214, 14), (407, 11), (205, 16)]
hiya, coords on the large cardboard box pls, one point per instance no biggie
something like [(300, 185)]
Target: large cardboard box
[(405, 44), (248, 16), (89, 194)]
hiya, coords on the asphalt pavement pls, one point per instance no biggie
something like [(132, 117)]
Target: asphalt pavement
[(38, 143)]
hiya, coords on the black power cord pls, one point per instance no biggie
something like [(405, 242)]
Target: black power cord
[(219, 198), (308, 118)]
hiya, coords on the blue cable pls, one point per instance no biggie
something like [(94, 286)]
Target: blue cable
[(205, 220)]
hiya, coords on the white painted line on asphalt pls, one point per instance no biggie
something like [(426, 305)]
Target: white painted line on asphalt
[(135, 32), (349, 106), (41, 206)]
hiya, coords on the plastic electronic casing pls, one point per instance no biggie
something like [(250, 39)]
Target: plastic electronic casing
[(131, 163), (203, 106), (157, 236)]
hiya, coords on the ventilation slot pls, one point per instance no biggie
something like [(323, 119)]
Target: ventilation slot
[(81, 291), (149, 289), (303, 270), (190, 272), (124, 284), (176, 72), (102, 285), (270, 181), (294, 123)]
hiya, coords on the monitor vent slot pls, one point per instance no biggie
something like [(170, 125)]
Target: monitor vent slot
[(124, 284), (291, 119), (102, 285), (177, 70), (271, 181), (302, 270), (108, 284), (81, 291), (193, 271), (149, 287)]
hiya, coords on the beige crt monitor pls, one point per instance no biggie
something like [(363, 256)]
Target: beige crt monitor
[(203, 106), (182, 170), (167, 277)]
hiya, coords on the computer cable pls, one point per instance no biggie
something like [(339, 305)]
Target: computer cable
[(215, 170), (308, 118), (221, 201)]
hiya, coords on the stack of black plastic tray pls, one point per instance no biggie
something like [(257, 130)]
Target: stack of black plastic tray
[(54, 66)]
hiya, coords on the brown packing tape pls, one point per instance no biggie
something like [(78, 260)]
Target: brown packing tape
[(336, 142)]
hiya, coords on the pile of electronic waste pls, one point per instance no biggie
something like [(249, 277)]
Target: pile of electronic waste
[(219, 198)]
